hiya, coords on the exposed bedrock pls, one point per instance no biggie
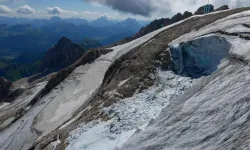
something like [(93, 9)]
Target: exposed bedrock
[(199, 57), (7, 93)]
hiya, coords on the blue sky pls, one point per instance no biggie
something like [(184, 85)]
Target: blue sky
[(113, 9)]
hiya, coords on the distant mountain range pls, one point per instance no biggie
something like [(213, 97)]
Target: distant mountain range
[(24, 42), (100, 22), (14, 66), (42, 34)]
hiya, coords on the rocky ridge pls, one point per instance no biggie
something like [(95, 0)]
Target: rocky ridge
[(157, 24)]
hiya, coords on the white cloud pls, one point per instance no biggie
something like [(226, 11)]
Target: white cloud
[(26, 9), (141, 7), (173, 7), (163, 8), (231, 3), (4, 9), (54, 10)]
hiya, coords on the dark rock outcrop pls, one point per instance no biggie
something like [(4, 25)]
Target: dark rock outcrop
[(224, 7), (155, 25), (200, 10), (187, 14), (7, 93)]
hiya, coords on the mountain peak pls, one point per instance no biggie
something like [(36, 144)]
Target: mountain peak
[(101, 22), (103, 18), (64, 41), (130, 22), (63, 54)]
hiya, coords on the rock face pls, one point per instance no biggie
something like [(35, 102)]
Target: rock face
[(4, 88), (63, 54), (7, 92)]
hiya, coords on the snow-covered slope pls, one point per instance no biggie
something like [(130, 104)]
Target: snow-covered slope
[(18, 133), (214, 114)]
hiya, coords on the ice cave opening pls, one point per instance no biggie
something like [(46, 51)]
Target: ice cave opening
[(199, 57)]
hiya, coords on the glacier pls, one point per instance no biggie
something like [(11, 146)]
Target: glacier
[(182, 110), (214, 113)]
